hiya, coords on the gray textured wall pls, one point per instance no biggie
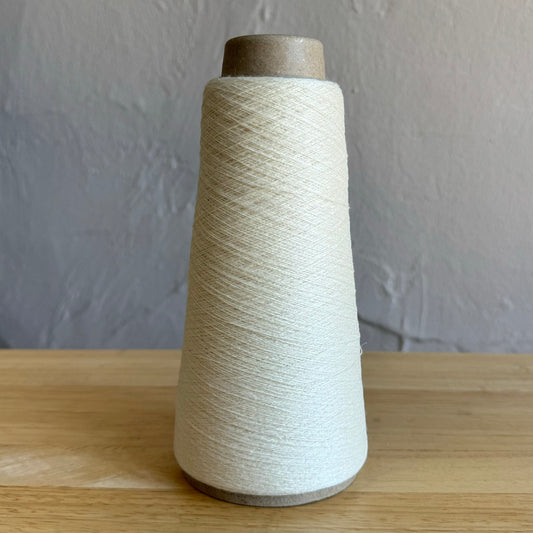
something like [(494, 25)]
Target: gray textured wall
[(99, 136)]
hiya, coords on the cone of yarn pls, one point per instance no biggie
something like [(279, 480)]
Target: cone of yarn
[(269, 407)]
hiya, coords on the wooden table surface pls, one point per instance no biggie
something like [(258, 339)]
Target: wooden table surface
[(86, 445)]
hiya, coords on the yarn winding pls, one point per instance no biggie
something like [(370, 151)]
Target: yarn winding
[(270, 397)]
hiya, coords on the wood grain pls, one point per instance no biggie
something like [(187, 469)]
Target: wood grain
[(86, 445)]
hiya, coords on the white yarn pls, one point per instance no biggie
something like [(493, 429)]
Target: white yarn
[(269, 397)]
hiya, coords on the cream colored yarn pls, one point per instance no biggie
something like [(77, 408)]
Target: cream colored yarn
[(269, 397)]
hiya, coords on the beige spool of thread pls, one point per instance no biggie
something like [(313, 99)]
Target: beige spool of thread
[(202, 408)]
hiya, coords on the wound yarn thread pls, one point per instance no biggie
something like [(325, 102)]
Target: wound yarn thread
[(270, 398)]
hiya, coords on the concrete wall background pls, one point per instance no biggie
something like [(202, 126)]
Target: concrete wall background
[(99, 138)]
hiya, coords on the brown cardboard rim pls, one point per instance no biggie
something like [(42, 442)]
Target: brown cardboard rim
[(274, 55), (257, 500)]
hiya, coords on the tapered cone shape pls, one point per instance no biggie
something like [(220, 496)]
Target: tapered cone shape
[(269, 405)]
